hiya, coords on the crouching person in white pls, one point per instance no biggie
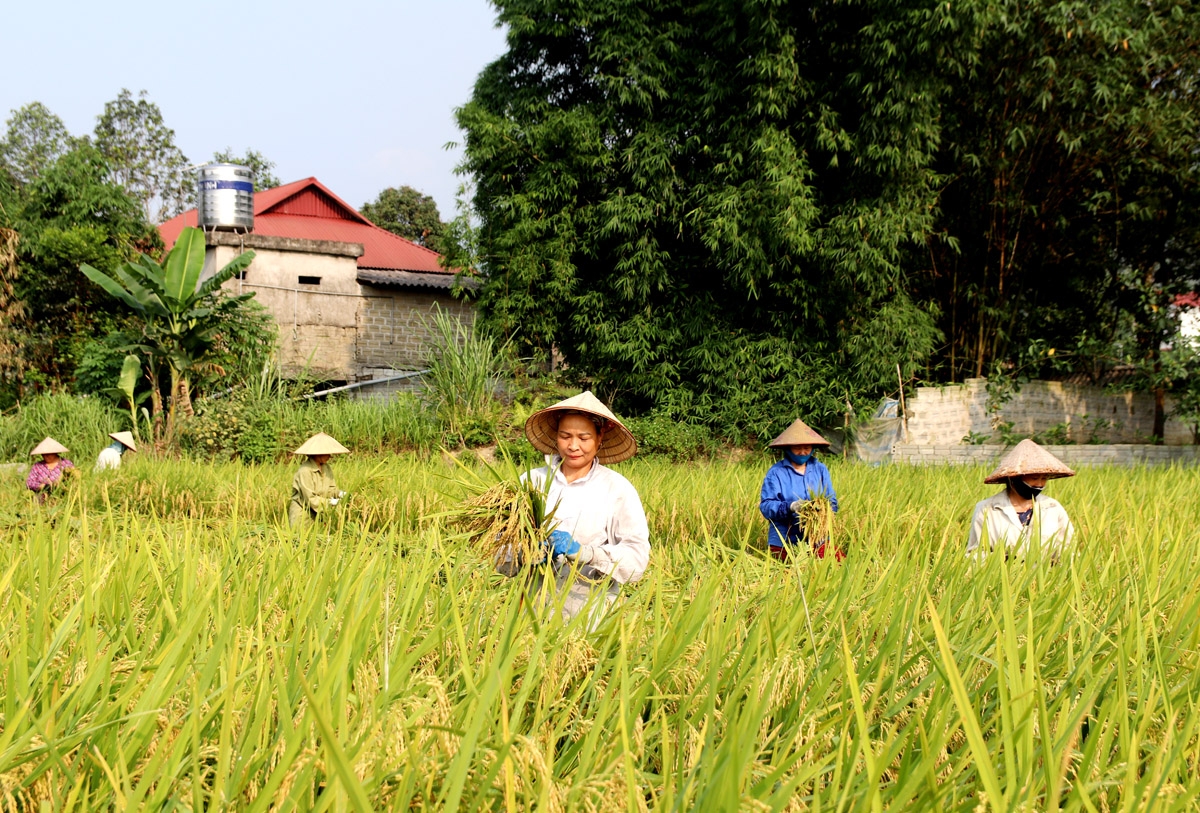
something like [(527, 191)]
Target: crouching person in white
[(1021, 513), (601, 540), (110, 456)]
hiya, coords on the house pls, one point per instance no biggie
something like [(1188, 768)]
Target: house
[(1188, 307), (352, 300)]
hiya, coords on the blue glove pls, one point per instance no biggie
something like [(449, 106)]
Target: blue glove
[(563, 544)]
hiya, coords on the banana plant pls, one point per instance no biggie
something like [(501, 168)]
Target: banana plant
[(180, 313), (126, 390)]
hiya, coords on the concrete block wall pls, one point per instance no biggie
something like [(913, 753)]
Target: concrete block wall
[(395, 331), (325, 350), (945, 415), (1073, 456)]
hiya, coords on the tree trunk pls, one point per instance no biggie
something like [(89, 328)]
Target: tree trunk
[(184, 393), (172, 406), (156, 406)]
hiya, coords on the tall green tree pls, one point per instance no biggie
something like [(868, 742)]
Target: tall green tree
[(408, 213), (34, 138), (262, 167), (71, 213), (141, 152), (1069, 143), (710, 206), (180, 315)]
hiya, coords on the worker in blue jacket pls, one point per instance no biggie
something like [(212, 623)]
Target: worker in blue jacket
[(795, 479)]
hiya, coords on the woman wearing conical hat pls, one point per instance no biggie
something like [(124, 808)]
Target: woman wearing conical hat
[(793, 481), (600, 539), (47, 474), (1021, 512), (110, 455), (313, 488)]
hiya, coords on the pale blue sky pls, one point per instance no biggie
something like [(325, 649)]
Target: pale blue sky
[(359, 93)]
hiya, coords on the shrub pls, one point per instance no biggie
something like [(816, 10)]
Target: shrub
[(660, 434)]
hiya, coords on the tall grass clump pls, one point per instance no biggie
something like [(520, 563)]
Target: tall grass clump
[(162, 653), (81, 423), (465, 369)]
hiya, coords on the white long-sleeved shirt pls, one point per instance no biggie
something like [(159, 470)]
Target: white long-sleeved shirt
[(109, 458), (604, 514), (996, 520)]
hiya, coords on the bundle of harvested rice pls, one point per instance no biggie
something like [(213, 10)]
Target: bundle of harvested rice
[(503, 513), (816, 519)]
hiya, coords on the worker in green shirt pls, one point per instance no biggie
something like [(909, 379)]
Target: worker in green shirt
[(313, 488)]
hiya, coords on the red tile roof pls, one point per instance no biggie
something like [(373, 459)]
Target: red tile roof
[(1189, 300), (308, 210)]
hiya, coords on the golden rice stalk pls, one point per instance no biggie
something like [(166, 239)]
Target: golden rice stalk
[(816, 519), (502, 513)]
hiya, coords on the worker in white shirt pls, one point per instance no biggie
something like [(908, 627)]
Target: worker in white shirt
[(110, 455), (600, 539), (1021, 513)]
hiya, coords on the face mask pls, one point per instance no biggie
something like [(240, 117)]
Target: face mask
[(1026, 491), (797, 459)]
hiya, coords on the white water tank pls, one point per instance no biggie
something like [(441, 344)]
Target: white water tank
[(225, 198)]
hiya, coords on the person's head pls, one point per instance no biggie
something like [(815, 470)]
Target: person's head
[(1026, 468), (50, 450), (320, 447), (1027, 486), (798, 441), (613, 440), (798, 453), (578, 439), (123, 442)]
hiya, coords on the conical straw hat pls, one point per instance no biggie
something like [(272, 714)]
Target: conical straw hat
[(321, 443), (125, 438), (49, 446), (1028, 458), (542, 428), (798, 434)]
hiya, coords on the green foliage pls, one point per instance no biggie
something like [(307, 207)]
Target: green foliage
[(180, 314), (708, 207), (711, 205), (1068, 144), (142, 155), (242, 425), (1057, 435), (408, 213), (80, 423), (662, 434), (34, 139), (262, 167), (100, 362), (68, 215)]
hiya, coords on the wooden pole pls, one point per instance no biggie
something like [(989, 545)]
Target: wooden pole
[(903, 409), (846, 431)]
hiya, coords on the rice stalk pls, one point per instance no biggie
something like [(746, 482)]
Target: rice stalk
[(816, 519)]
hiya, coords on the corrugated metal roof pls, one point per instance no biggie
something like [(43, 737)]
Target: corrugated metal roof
[(410, 279), (308, 210)]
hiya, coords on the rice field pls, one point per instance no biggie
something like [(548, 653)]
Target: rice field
[(167, 644)]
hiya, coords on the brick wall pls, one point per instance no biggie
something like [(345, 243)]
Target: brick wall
[(394, 331), (940, 416)]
